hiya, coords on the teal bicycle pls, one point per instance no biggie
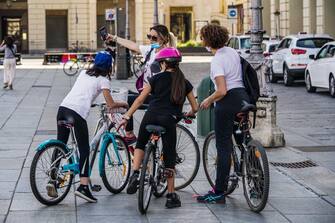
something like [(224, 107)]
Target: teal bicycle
[(57, 163)]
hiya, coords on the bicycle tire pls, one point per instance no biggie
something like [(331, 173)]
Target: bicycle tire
[(122, 146), (71, 68), (193, 167), (232, 185), (144, 201), (254, 155), (34, 185)]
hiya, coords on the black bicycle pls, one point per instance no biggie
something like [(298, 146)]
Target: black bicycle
[(249, 161), (152, 178)]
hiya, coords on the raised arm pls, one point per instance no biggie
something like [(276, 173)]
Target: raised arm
[(124, 42)]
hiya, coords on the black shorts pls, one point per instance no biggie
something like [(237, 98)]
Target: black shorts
[(168, 139)]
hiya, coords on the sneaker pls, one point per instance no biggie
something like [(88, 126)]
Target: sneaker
[(84, 192), (133, 183), (10, 87), (51, 190), (5, 86), (130, 139), (172, 201), (212, 198)]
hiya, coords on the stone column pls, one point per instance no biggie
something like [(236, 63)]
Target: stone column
[(139, 21), (266, 130), (93, 24)]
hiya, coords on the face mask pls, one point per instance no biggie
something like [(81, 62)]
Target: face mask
[(208, 49), (155, 46)]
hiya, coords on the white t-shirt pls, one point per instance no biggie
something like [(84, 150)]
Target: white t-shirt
[(145, 49), (84, 91), (226, 62)]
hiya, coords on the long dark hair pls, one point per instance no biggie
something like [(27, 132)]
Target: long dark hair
[(178, 87), (9, 41), (96, 72)]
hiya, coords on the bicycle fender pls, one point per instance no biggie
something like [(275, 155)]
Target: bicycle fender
[(48, 142), (106, 138)]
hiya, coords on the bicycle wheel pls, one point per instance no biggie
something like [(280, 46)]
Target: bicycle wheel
[(188, 158), (256, 178), (116, 168), (46, 168), (71, 68), (160, 180), (209, 157), (147, 177)]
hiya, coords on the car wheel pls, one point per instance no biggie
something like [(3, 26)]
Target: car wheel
[(332, 86), (272, 77), (309, 86), (288, 79)]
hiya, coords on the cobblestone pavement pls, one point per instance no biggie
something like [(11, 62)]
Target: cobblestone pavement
[(296, 195)]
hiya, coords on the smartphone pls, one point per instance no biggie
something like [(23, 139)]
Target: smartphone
[(103, 33)]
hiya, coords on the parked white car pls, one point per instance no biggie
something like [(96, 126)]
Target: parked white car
[(269, 47), (242, 44), (320, 73), (292, 56)]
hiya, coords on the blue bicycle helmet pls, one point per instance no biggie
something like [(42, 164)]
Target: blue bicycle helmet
[(103, 60)]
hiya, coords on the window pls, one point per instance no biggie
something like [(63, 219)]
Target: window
[(313, 42), (322, 53), (231, 42), (245, 43), (282, 44), (272, 48), (288, 43), (331, 51), (237, 44)]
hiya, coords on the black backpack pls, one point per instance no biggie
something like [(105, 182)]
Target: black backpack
[(250, 81)]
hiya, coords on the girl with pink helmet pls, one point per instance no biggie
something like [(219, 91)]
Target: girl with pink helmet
[(168, 90)]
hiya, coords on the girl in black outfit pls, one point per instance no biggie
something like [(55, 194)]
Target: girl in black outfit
[(168, 90)]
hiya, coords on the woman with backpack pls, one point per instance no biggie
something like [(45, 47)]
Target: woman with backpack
[(226, 74), (9, 61), (159, 37), (168, 90)]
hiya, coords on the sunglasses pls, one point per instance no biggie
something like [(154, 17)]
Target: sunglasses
[(153, 38)]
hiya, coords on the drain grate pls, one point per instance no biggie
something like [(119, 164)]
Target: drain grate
[(41, 86), (295, 165), (45, 132)]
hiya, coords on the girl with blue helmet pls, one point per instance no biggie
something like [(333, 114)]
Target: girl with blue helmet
[(76, 106)]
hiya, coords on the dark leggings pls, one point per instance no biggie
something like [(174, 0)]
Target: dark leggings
[(81, 134), (225, 113), (169, 138), (131, 98)]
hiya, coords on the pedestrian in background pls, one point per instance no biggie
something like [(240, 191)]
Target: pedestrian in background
[(10, 49)]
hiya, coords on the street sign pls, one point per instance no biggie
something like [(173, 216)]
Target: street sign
[(110, 14), (232, 13)]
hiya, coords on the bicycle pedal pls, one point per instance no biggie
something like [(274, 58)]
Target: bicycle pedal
[(96, 188)]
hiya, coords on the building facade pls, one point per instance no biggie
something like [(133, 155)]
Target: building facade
[(48, 25)]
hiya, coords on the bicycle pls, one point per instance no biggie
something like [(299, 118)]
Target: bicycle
[(71, 67), (187, 148), (58, 163), (152, 171), (135, 64), (249, 161)]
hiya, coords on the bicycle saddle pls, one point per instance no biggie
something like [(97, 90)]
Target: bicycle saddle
[(156, 129), (67, 123), (246, 107)]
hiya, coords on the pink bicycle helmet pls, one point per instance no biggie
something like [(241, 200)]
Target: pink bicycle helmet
[(168, 54)]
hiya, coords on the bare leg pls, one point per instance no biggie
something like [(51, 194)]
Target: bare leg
[(138, 157), (84, 180), (170, 184)]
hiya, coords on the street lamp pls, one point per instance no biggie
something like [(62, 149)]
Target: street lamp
[(269, 134)]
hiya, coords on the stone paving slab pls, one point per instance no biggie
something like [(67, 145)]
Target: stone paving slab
[(311, 218), (41, 216)]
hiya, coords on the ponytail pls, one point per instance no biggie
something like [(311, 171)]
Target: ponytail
[(178, 88)]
